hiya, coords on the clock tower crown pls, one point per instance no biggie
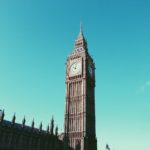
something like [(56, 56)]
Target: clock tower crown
[(80, 42)]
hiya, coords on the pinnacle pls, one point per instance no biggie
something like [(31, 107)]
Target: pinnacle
[(81, 36)]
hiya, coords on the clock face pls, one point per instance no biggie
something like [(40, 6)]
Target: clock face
[(75, 68)]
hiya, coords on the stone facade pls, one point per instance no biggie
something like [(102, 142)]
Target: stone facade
[(14, 136)]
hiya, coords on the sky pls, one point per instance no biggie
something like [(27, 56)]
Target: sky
[(36, 36)]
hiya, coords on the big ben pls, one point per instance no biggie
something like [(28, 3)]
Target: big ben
[(80, 97)]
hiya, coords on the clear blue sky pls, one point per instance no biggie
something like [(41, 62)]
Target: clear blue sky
[(37, 35)]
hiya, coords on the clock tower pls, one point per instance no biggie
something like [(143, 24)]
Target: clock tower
[(80, 97)]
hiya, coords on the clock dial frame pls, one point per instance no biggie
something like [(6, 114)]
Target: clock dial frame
[(75, 67)]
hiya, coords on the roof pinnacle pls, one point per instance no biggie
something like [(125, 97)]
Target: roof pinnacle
[(80, 36), (81, 28)]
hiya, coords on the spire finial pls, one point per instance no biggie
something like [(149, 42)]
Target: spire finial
[(56, 131), (81, 28), (81, 31), (52, 125), (47, 128), (40, 126), (107, 147), (2, 114), (80, 36), (14, 118), (23, 121), (32, 124)]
